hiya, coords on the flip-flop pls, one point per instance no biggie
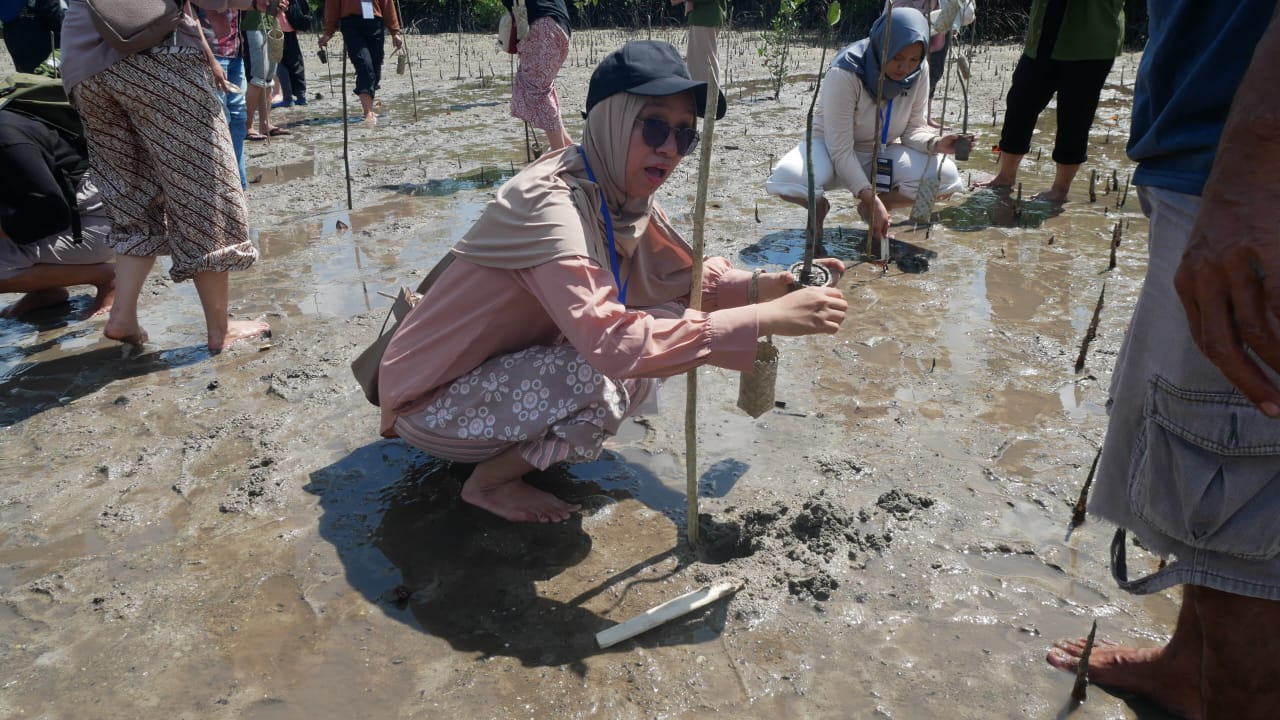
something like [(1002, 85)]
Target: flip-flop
[(278, 131), (256, 137)]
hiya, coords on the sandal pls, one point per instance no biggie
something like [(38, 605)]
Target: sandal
[(278, 131), (256, 137)]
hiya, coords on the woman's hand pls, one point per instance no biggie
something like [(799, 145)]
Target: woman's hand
[(220, 79), (776, 284), (807, 311), (875, 213), (946, 144), (324, 39)]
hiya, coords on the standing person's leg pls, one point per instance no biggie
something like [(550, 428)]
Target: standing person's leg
[(295, 67), (1196, 490), (255, 50), (937, 69), (284, 84), (203, 211), (233, 104), (357, 43), (1241, 662), (702, 57), (375, 31), (1029, 94), (27, 42), (1079, 87), (533, 94), (132, 198)]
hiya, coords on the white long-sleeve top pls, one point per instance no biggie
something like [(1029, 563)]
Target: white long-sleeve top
[(846, 120)]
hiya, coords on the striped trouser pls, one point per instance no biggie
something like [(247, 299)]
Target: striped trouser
[(548, 401), (162, 154)]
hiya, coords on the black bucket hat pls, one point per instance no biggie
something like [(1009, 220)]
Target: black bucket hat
[(647, 67)]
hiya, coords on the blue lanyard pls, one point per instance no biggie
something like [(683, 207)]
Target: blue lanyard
[(608, 229), (884, 129)]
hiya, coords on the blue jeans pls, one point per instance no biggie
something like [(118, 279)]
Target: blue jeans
[(236, 111)]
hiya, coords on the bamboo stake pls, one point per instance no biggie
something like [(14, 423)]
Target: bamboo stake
[(695, 303), (1092, 331), (404, 48), (346, 129), (1078, 513), (1078, 691), (875, 152), (666, 612), (812, 239)]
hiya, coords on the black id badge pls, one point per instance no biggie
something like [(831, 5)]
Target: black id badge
[(884, 174)]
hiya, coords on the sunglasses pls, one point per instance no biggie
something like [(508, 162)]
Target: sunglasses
[(655, 131)]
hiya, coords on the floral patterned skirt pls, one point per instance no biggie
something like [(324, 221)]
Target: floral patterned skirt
[(547, 400)]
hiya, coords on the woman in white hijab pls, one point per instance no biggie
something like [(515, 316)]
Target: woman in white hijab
[(569, 298), (844, 127)]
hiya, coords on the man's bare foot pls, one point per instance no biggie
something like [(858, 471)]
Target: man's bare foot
[(517, 501), (1154, 673), (934, 123), (238, 330), (999, 181), (121, 332), (1057, 197), (102, 300), (35, 300)]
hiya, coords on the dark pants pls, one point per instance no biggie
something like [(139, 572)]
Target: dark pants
[(364, 40), (30, 40), (292, 70), (938, 66), (1078, 85)]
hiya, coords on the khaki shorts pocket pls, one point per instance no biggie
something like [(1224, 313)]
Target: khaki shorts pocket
[(1206, 471)]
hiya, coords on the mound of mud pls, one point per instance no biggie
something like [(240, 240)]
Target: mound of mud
[(808, 551)]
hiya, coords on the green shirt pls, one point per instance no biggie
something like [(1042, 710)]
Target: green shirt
[(1091, 30), (707, 13), (252, 20)]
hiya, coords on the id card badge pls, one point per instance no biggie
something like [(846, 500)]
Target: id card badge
[(366, 9), (884, 174)]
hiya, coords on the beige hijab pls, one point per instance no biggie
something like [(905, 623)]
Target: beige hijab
[(551, 210)]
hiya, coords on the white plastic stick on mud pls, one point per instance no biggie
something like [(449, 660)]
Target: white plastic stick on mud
[(667, 611)]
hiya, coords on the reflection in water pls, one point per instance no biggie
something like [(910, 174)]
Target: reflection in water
[(483, 177), (787, 246), (983, 209)]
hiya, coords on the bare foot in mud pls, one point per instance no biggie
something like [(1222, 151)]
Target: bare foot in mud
[(1154, 673), (238, 330), (102, 301), (517, 501), (1057, 197), (996, 183), (128, 334), (35, 300)]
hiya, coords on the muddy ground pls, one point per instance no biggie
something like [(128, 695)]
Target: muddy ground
[(186, 536)]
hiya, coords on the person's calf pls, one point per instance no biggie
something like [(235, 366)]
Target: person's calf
[(1241, 659), (35, 300)]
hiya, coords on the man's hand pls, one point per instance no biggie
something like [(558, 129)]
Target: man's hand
[(397, 41), (1229, 279), (324, 39), (1229, 282)]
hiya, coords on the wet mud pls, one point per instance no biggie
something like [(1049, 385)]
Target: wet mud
[(187, 535)]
